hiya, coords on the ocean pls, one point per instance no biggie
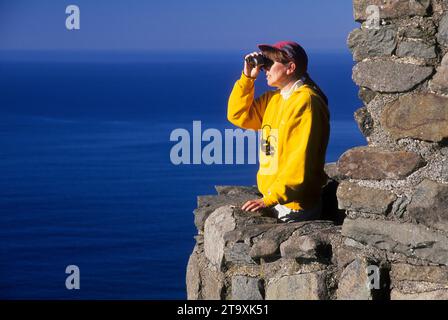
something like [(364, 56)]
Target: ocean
[(86, 177)]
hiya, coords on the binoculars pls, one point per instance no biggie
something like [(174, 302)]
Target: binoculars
[(259, 60)]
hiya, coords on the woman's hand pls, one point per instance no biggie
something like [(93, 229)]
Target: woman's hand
[(248, 70), (253, 205)]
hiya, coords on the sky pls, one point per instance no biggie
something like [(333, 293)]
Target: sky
[(175, 25)]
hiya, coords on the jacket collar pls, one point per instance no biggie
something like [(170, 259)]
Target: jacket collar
[(286, 94)]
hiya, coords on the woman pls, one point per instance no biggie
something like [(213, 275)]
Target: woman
[(294, 120)]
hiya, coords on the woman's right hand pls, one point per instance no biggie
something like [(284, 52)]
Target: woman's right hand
[(248, 70)]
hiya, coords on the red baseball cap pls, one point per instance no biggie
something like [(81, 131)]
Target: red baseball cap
[(292, 49)]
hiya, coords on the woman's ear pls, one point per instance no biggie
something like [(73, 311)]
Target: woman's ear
[(291, 69)]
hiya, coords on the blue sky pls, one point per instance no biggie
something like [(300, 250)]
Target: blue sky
[(175, 25)]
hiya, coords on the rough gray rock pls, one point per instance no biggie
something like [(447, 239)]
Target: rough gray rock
[(247, 233), (366, 43), (300, 247), (346, 254), (416, 49), (357, 198), (238, 253), (417, 28), (247, 288), (418, 116), (391, 9), (419, 282), (442, 36), (203, 280), (376, 164), (208, 204), (269, 245), (193, 278), (409, 239), (217, 224), (354, 281), (331, 169), (236, 190), (430, 295), (366, 95), (276, 269), (389, 76), (365, 121), (245, 219), (212, 283), (439, 82), (445, 169), (429, 205), (406, 272), (399, 207), (309, 286)]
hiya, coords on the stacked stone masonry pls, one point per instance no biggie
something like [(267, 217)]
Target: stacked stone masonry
[(385, 233)]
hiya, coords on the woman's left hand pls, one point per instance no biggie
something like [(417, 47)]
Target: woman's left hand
[(253, 205)]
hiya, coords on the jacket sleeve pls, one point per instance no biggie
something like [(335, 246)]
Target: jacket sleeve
[(243, 110), (300, 143)]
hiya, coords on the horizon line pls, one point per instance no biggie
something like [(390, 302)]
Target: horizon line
[(136, 50)]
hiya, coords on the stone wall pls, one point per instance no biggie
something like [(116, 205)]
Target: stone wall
[(393, 193), (245, 256)]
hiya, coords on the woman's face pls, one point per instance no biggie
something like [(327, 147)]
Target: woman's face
[(279, 74)]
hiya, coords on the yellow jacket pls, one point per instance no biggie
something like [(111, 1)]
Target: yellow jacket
[(297, 129)]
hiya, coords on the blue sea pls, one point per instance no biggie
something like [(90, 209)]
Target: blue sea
[(85, 171)]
